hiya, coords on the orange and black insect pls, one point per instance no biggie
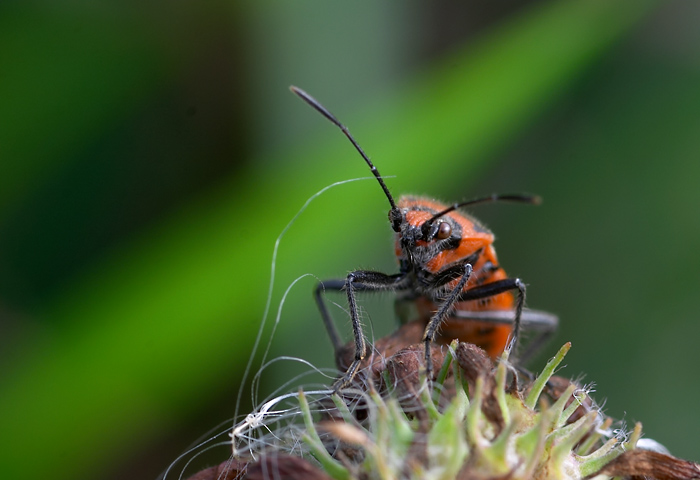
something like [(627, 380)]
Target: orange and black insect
[(447, 269)]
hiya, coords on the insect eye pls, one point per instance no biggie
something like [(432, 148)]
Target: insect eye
[(444, 231)]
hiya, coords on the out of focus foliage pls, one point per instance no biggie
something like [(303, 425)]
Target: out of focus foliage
[(151, 154)]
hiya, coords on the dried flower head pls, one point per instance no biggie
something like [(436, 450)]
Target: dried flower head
[(478, 422)]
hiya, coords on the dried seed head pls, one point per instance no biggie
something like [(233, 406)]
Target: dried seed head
[(478, 423)]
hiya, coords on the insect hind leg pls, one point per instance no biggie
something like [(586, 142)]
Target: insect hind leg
[(543, 322), (496, 288), (321, 288)]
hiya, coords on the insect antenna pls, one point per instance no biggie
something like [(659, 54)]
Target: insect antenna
[(519, 198), (394, 215)]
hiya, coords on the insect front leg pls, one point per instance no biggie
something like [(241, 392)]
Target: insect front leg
[(442, 313), (361, 280)]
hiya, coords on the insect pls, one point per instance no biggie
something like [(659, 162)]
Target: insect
[(448, 271)]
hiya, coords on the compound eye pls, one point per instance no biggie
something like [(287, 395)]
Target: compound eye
[(444, 231)]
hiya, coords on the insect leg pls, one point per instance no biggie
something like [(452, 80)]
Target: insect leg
[(359, 280), (544, 323), (321, 287), (495, 288), (440, 315), (448, 274)]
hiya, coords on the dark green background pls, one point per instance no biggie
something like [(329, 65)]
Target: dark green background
[(151, 154)]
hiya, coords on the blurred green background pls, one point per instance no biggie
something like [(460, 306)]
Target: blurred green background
[(150, 154)]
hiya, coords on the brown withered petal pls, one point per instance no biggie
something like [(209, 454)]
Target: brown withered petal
[(474, 362), (406, 366), (647, 464), (228, 470), (404, 369), (407, 334)]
